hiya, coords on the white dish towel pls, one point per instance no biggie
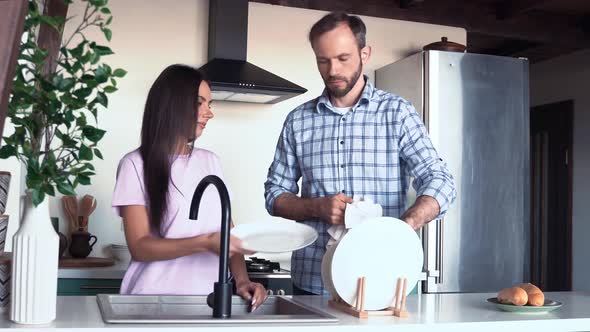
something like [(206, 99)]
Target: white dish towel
[(356, 213)]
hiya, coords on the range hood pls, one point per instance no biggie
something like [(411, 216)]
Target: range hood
[(231, 77)]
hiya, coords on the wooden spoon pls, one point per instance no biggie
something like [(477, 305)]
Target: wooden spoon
[(87, 206), (71, 209)]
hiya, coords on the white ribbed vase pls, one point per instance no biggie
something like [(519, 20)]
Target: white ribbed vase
[(34, 267)]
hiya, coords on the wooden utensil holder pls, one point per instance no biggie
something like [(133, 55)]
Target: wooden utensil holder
[(359, 311)]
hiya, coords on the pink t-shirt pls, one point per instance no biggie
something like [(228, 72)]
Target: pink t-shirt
[(188, 275)]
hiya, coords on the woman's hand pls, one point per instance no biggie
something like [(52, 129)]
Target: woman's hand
[(253, 292), (235, 245)]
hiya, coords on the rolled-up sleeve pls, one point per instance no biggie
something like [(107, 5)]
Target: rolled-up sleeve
[(283, 173), (431, 175)]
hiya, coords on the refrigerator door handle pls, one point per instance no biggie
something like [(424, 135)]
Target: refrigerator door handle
[(439, 250), (431, 237)]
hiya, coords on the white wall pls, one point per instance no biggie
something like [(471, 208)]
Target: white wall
[(148, 35), (559, 79)]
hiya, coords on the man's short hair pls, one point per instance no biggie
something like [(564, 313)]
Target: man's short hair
[(332, 20)]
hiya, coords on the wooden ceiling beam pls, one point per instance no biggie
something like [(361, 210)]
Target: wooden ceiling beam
[(409, 3), (511, 8), (471, 15)]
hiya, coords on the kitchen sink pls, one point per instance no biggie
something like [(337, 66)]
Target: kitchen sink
[(144, 309)]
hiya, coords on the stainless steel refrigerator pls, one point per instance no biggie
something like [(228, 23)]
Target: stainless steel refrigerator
[(476, 109)]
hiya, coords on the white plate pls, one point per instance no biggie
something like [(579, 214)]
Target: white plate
[(381, 250), (327, 271), (275, 236)]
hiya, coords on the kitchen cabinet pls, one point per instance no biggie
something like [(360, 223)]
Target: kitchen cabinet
[(87, 286)]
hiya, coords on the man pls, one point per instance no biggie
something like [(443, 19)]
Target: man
[(352, 141)]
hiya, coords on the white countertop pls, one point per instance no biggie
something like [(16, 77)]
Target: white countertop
[(441, 312)]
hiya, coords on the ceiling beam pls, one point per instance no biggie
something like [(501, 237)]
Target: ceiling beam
[(408, 3), (545, 52), (510, 8), (471, 15)]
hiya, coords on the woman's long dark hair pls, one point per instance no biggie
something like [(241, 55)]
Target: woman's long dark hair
[(169, 121)]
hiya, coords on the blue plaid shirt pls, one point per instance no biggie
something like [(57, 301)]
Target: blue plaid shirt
[(369, 152)]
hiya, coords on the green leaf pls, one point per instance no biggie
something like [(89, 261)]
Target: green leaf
[(98, 3), (76, 67), (65, 188), (105, 10), (98, 154), (101, 74), (7, 151), (83, 179), (48, 189), (64, 50), (94, 58), (39, 56), (83, 93), (119, 72), (102, 99), (81, 120), (103, 50), (77, 51), (93, 134), (67, 84), (109, 20), (38, 195), (110, 89), (107, 33), (51, 21), (85, 153), (33, 178)]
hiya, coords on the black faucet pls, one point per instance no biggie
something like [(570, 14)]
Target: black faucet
[(222, 289)]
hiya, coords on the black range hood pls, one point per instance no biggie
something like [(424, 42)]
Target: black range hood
[(231, 77)]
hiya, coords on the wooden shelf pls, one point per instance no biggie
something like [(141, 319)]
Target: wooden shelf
[(69, 262)]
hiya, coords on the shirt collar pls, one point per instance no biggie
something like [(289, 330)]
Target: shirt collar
[(366, 95)]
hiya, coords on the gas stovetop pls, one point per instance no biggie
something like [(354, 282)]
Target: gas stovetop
[(259, 267)]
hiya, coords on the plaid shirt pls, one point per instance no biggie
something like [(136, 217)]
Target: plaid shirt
[(369, 152)]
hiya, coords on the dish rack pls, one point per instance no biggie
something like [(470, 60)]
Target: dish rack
[(398, 310)]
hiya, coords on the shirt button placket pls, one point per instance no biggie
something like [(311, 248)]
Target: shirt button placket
[(341, 155)]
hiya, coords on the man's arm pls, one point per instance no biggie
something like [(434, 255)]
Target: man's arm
[(432, 180), (280, 188), (328, 209), (424, 210)]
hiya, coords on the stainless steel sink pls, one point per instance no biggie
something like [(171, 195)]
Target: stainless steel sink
[(142, 309)]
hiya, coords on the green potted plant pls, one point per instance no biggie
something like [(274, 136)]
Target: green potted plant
[(54, 114)]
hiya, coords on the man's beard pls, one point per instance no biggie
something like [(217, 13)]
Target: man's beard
[(339, 93)]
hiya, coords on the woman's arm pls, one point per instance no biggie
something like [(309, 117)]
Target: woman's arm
[(244, 287), (146, 247)]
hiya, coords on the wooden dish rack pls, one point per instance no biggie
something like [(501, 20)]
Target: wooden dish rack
[(398, 310)]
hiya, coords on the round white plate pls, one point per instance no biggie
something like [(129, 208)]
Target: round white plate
[(275, 236), (381, 250), (327, 270)]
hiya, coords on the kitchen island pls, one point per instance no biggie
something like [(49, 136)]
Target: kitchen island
[(427, 312)]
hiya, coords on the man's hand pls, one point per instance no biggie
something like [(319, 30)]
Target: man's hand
[(331, 209)]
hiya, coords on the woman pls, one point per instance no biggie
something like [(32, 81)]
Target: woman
[(155, 184)]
